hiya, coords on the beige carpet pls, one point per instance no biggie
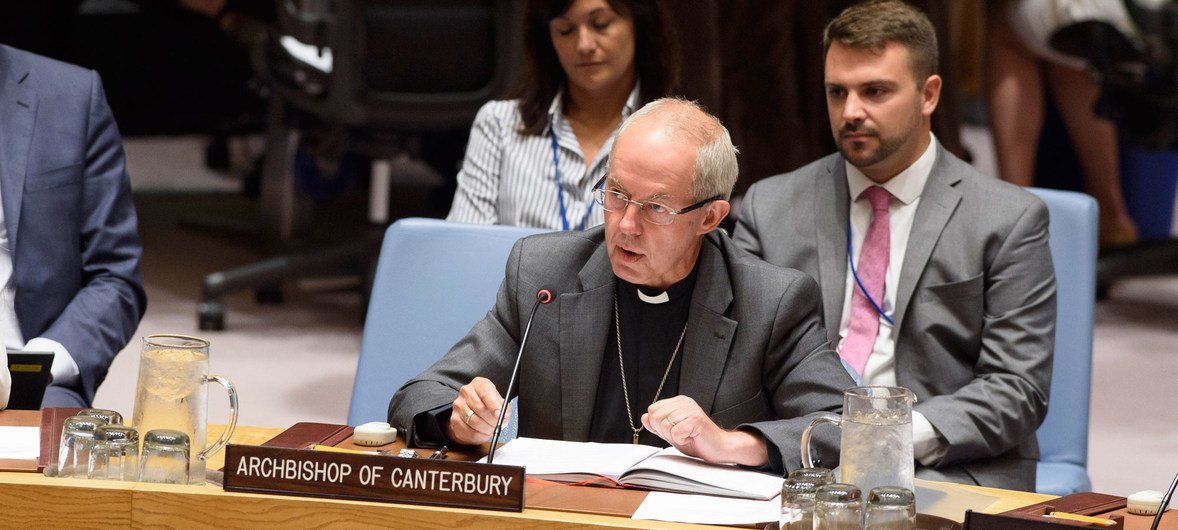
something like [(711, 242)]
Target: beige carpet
[(291, 362)]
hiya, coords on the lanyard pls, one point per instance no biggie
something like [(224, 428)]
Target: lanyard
[(860, 282), (564, 220)]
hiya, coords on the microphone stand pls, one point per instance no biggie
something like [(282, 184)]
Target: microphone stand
[(1165, 503), (543, 296)]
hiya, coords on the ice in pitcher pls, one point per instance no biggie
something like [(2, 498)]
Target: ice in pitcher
[(877, 449), (172, 395)]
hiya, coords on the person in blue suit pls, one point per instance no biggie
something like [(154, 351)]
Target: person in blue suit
[(69, 240)]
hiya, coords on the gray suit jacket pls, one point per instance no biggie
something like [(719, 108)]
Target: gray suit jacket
[(975, 307), (755, 354)]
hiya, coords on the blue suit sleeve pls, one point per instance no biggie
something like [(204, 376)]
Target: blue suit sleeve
[(105, 312)]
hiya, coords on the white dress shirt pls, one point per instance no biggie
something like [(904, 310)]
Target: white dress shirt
[(64, 369), (905, 188)]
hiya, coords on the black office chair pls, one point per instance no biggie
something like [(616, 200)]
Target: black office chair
[(364, 77)]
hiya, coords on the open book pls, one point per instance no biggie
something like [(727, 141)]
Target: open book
[(640, 466)]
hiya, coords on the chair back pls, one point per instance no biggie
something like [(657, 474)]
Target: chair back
[(434, 280), (1063, 436), (410, 65)]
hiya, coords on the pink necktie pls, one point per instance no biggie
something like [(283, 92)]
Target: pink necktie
[(871, 269)]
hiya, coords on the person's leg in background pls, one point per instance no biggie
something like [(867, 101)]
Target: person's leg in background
[(1015, 91), (1095, 139)]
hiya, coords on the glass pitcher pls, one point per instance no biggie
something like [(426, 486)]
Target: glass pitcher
[(876, 443), (172, 394)]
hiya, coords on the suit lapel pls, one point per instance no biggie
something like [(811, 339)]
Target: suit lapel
[(18, 107), (938, 200), (709, 332), (582, 343), (831, 236)]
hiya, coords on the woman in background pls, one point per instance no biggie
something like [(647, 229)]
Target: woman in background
[(1020, 63), (532, 161)]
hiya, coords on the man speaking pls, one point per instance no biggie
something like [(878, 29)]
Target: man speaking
[(662, 332)]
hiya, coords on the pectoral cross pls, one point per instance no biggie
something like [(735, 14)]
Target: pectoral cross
[(636, 431)]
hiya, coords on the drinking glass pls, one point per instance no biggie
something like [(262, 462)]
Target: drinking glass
[(111, 417), (818, 475), (172, 393), (891, 508), (838, 506), (797, 504), (116, 453), (77, 439), (165, 457)]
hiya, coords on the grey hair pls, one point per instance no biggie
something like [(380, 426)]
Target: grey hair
[(716, 168)]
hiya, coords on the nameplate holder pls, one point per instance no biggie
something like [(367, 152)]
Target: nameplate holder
[(309, 473)]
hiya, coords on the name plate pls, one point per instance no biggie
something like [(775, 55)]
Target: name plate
[(305, 472)]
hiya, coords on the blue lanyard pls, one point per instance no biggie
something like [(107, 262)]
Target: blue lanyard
[(564, 220), (860, 282)]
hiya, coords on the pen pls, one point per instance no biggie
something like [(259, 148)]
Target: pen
[(1082, 518), (331, 449), (439, 454)]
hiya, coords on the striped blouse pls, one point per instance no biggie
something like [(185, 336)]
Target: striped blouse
[(508, 178)]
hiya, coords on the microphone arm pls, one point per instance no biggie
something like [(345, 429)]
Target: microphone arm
[(543, 296)]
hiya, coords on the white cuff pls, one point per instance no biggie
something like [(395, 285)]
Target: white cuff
[(927, 445), (65, 370)]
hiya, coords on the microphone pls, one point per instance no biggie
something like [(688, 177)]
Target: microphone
[(543, 296)]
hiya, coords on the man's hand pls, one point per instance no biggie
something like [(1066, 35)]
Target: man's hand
[(475, 411), (682, 423)]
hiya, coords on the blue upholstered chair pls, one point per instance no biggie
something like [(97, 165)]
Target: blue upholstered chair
[(1063, 437), (434, 281)]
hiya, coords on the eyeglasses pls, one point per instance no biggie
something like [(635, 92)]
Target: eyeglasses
[(657, 213)]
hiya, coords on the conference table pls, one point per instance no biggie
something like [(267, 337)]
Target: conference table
[(31, 500)]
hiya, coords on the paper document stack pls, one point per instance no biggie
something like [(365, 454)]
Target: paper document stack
[(639, 466)]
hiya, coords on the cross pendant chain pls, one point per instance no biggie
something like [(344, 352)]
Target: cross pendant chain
[(622, 369)]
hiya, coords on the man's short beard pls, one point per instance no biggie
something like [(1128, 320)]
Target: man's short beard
[(887, 147)]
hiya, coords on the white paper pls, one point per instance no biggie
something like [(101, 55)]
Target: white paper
[(721, 476), (20, 443), (705, 509), (551, 457)]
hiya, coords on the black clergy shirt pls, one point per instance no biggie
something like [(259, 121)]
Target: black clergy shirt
[(650, 332)]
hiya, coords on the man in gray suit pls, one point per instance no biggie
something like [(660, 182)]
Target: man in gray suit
[(951, 291), (661, 331)]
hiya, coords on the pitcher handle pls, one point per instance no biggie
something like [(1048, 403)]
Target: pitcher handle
[(823, 417), (225, 382)]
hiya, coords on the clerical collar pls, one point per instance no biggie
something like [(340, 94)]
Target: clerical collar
[(674, 292), (660, 298)]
